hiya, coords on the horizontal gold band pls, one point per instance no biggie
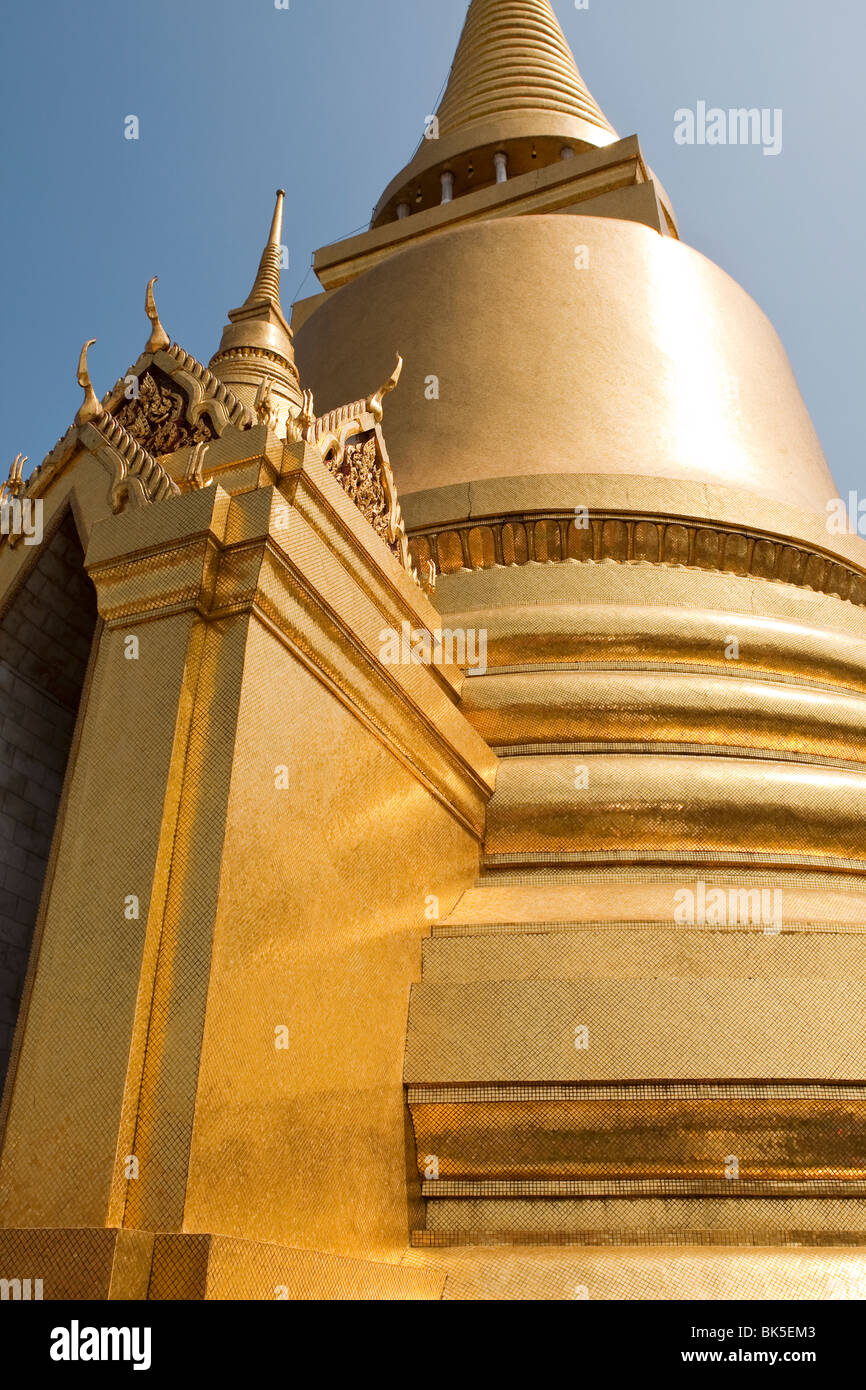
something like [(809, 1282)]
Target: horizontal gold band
[(625, 537)]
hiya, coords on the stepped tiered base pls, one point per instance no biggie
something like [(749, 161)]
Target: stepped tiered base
[(642, 1027), (526, 1137)]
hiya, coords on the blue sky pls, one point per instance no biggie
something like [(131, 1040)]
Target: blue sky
[(328, 99)]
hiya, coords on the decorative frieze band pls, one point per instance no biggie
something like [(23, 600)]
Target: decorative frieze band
[(552, 537)]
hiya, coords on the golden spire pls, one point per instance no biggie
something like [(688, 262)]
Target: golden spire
[(514, 102), (266, 286), (257, 341), (513, 56)]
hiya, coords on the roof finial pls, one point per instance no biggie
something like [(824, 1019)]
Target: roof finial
[(195, 479), (257, 338), (265, 405), (158, 337), (275, 237), (374, 402), (90, 408), (14, 484), (301, 427)]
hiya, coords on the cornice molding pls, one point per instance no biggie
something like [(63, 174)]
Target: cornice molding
[(628, 537)]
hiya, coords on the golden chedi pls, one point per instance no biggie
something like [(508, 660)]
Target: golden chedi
[(540, 725)]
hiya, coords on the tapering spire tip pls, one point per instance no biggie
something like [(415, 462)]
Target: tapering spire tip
[(276, 232)]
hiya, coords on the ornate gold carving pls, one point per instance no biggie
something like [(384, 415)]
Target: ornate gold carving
[(553, 538), (204, 394), (351, 442), (194, 478), (303, 425), (374, 402), (156, 419), (330, 431), (265, 405), (14, 485), (360, 463), (207, 392), (158, 337), (356, 467), (90, 408), (137, 478), (10, 491)]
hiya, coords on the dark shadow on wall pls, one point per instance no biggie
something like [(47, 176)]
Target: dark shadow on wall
[(46, 633)]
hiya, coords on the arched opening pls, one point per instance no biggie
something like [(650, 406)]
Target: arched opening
[(46, 634)]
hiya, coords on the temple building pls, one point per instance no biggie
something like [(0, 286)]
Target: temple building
[(435, 766)]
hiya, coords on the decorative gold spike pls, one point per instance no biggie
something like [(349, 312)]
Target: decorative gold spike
[(158, 337), (265, 406), (302, 425), (266, 286), (257, 333), (16, 474), (374, 402), (14, 484), (194, 478), (90, 408)]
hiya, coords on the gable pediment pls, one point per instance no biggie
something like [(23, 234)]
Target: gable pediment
[(156, 413), (168, 401)]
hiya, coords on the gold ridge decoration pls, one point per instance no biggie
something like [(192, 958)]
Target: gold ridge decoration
[(302, 426), (10, 491), (208, 392), (374, 402), (136, 476), (553, 538), (90, 408), (156, 417), (352, 445), (194, 478), (158, 337), (204, 393), (14, 485), (358, 472), (265, 405)]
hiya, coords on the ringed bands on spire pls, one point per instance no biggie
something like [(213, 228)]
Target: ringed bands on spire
[(256, 346), (514, 94), (513, 56)]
